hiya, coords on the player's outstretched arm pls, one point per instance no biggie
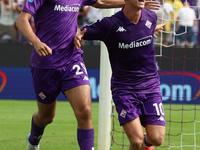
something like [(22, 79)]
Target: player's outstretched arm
[(24, 27), (158, 29), (152, 5), (109, 4), (78, 37)]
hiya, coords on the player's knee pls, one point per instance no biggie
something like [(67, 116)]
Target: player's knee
[(85, 113), (84, 118), (49, 120), (44, 119), (157, 141), (137, 143)]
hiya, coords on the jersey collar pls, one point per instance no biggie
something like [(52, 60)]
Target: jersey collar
[(127, 21)]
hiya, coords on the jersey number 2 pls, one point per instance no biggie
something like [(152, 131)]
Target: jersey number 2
[(78, 68)]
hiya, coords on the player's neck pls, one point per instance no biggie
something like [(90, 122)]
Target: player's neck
[(132, 15)]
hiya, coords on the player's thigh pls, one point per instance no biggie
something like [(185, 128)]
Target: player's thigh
[(155, 132), (134, 130), (79, 98), (46, 110)]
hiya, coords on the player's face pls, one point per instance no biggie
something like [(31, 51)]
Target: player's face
[(141, 3)]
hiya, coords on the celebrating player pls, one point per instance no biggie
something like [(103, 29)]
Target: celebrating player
[(128, 36)]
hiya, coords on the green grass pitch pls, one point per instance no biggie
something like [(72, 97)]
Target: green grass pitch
[(15, 122)]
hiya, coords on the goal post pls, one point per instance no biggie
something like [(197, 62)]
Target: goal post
[(104, 121)]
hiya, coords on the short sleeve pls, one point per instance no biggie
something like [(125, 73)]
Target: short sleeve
[(98, 30), (31, 6)]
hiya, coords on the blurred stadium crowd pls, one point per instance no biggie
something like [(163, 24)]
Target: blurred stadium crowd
[(182, 17)]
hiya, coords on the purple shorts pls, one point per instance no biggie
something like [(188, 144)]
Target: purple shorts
[(131, 105), (48, 83)]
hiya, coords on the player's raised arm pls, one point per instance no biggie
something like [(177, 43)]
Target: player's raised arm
[(109, 4), (151, 5)]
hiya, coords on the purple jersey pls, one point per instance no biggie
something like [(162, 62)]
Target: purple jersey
[(131, 50), (56, 26)]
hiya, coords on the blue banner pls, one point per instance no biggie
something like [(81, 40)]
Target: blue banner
[(176, 86), (180, 87), (16, 83)]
